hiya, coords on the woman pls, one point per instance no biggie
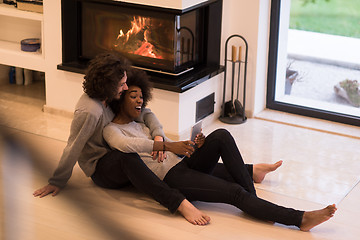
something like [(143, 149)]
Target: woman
[(193, 174)]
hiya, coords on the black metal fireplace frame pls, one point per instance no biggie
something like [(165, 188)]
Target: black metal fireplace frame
[(209, 66)]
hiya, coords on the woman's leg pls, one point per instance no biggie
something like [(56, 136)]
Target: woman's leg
[(117, 169), (256, 171), (204, 187), (220, 171), (218, 144)]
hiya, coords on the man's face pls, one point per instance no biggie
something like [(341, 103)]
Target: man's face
[(122, 86)]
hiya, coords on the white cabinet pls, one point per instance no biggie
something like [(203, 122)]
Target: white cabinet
[(16, 25)]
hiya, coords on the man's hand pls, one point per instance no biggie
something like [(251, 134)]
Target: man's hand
[(42, 192), (159, 155)]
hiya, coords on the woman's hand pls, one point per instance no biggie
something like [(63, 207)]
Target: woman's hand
[(181, 148), (199, 140), (159, 155), (42, 192)]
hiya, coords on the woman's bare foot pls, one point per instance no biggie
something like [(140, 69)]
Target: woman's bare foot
[(192, 214), (314, 218), (261, 169)]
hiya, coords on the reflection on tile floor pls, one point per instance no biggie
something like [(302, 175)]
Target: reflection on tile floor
[(317, 166), (20, 109)]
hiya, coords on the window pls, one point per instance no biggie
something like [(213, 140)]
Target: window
[(313, 72)]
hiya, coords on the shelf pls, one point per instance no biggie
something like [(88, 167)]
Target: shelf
[(11, 11), (11, 55), (10, 48)]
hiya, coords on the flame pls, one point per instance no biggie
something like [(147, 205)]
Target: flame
[(139, 25)]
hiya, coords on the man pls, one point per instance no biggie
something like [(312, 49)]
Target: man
[(105, 80)]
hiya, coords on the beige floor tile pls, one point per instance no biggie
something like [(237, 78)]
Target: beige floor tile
[(319, 168)]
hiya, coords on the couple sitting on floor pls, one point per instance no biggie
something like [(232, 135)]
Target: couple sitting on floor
[(178, 173)]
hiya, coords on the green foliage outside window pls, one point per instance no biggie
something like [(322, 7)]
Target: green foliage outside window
[(337, 17)]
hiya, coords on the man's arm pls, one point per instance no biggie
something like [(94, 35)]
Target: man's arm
[(156, 131), (152, 122), (82, 127), (42, 192)]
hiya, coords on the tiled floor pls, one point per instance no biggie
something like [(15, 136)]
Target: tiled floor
[(319, 168)]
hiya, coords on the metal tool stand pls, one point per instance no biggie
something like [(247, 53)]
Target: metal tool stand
[(233, 112)]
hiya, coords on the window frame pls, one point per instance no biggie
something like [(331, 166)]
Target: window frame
[(271, 103)]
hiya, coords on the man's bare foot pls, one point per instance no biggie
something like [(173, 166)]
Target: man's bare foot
[(261, 169), (314, 218), (192, 214)]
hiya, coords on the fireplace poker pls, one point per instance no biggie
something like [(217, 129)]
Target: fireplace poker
[(182, 51), (238, 107), (229, 106), (189, 58)]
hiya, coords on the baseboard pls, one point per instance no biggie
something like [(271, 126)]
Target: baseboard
[(58, 112)]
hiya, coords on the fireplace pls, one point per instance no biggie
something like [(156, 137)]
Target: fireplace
[(178, 48), (158, 41)]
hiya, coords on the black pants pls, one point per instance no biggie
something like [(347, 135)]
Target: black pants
[(196, 179), (117, 169)]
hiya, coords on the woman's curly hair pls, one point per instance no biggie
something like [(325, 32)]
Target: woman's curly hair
[(104, 74), (139, 78)]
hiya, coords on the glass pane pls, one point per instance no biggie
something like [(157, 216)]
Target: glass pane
[(155, 40), (141, 37), (318, 61)]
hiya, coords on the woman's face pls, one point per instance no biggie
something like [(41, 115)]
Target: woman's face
[(133, 101)]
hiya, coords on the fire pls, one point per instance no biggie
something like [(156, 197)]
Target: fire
[(136, 39)]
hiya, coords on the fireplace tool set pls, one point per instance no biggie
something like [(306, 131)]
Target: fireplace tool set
[(233, 111)]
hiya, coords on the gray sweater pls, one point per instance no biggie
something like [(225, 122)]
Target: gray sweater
[(86, 144), (136, 137)]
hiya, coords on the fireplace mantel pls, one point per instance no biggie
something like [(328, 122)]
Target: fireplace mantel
[(178, 84), (175, 4)]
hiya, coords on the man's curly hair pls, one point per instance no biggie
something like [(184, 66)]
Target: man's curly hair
[(139, 78), (104, 74)]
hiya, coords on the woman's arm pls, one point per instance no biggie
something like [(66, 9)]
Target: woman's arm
[(159, 155), (118, 140), (181, 148)]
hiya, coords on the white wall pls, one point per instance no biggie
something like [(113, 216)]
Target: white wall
[(247, 18), (177, 111), (63, 89)]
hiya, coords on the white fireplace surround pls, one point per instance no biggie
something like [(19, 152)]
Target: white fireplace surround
[(247, 18)]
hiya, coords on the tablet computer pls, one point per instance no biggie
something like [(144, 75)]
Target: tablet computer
[(195, 130)]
